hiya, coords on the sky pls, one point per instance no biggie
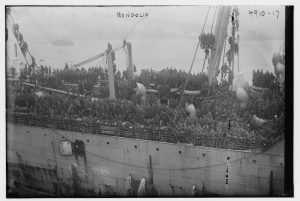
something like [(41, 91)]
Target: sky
[(165, 38), (92, 23)]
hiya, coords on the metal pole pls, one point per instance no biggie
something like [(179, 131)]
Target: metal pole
[(129, 59), (203, 64), (188, 76), (110, 73)]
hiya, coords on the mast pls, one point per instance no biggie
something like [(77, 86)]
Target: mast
[(111, 80), (128, 52), (220, 36)]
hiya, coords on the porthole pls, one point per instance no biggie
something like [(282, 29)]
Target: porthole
[(88, 140), (179, 152), (203, 155), (135, 146), (107, 142), (157, 149), (65, 148), (228, 158)]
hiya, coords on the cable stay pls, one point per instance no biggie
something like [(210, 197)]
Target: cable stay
[(129, 32), (47, 36), (207, 41), (11, 26), (119, 45), (100, 55), (189, 73), (101, 62), (89, 60), (94, 57)]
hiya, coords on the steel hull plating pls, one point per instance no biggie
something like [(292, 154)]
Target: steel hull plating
[(114, 166)]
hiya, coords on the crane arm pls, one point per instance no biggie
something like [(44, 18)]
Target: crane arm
[(90, 59), (95, 57)]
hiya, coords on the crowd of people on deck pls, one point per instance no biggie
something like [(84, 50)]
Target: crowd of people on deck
[(173, 79), (263, 79), (218, 112)]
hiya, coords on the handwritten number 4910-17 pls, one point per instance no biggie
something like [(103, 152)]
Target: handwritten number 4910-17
[(256, 13)]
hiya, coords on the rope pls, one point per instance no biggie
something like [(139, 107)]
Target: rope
[(125, 36), (90, 59), (119, 46), (58, 49), (95, 57), (47, 36), (17, 41), (190, 68), (101, 60)]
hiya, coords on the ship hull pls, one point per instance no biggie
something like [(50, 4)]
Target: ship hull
[(114, 166)]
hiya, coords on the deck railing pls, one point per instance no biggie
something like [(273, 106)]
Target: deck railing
[(113, 129)]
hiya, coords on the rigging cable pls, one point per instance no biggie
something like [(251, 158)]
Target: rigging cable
[(206, 56), (17, 40), (48, 39), (182, 92), (129, 32), (90, 59), (47, 36), (100, 63), (95, 57), (118, 44)]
